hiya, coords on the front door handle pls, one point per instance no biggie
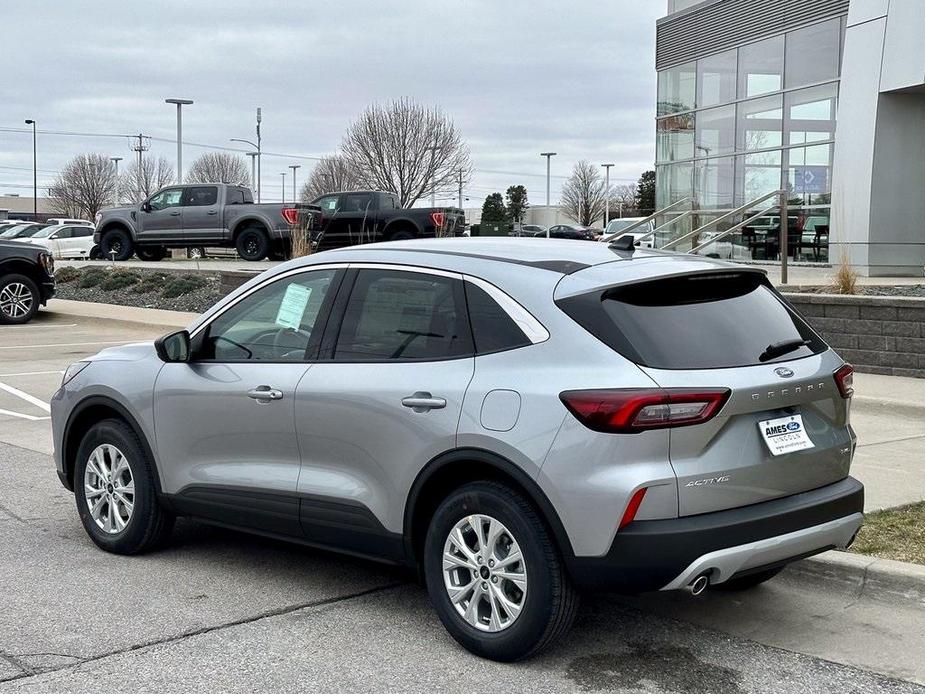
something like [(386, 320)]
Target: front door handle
[(423, 401), (265, 394), (174, 214), (212, 212)]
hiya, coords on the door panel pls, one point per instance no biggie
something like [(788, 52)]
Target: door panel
[(164, 220), (202, 219)]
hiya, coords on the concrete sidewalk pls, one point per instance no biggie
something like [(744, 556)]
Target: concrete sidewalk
[(122, 314)]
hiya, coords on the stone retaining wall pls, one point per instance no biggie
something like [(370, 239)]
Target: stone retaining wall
[(878, 334)]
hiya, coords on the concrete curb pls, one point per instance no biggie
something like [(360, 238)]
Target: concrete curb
[(888, 406), (878, 579), (121, 314)]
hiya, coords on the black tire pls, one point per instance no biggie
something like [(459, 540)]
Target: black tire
[(749, 581), (252, 244), (401, 235), (151, 253), (149, 525), (117, 240), (95, 253), (550, 602), (19, 299)]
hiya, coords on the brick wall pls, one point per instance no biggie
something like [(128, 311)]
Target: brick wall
[(878, 334)]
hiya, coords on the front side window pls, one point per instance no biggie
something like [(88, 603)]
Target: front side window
[(200, 196), (275, 323), (64, 233), (394, 315), (328, 204), (166, 198)]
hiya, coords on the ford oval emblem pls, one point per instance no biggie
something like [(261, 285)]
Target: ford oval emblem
[(783, 372)]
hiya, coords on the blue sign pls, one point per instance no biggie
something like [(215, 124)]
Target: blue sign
[(810, 179)]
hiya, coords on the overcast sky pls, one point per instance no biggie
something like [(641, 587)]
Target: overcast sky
[(518, 77)]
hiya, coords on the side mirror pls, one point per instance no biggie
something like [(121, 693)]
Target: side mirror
[(53, 237), (173, 347), (146, 207)]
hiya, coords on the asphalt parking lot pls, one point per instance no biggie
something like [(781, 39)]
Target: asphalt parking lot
[(222, 611)]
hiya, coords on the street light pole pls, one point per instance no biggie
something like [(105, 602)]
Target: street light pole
[(606, 193), (115, 161), (549, 156), (283, 174), (180, 103), (433, 177), (294, 167), (259, 157), (35, 177), (253, 157)]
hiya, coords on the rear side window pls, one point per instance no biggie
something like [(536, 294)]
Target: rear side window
[(397, 315), (493, 330), (696, 322)]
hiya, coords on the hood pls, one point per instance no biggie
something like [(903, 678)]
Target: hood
[(133, 352), (19, 245), (115, 211)]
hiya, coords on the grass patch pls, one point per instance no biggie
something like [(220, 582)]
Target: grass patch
[(66, 274), (119, 279), (150, 283), (91, 277), (184, 284), (895, 533)]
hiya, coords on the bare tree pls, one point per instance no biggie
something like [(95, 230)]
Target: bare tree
[(219, 167), (407, 149), (331, 174), (623, 200), (583, 195), (154, 174), (84, 186)]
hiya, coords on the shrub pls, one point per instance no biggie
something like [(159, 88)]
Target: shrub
[(846, 277), (119, 279), (66, 274), (150, 283), (92, 277), (184, 284)]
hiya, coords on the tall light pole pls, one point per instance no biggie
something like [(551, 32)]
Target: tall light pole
[(256, 181), (180, 104), (259, 156), (433, 177), (549, 156), (35, 177), (294, 167), (253, 156), (606, 193), (115, 161), (283, 174)]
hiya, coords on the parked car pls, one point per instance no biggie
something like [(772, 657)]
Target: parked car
[(364, 216), (21, 230), (70, 222), (529, 230), (27, 281), (568, 231), (192, 216), (614, 226), (496, 412), (64, 241)]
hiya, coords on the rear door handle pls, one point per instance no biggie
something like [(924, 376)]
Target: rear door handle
[(174, 214), (423, 401), (213, 212), (265, 394)]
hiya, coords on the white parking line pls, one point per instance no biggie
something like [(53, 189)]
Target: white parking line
[(41, 404), (69, 344), (30, 417), (39, 327), (32, 373)]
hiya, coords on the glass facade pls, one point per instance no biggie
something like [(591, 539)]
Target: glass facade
[(739, 124)]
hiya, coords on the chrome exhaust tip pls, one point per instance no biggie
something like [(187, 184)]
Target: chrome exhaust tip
[(699, 584)]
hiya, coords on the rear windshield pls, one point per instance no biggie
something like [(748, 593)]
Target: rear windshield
[(696, 322)]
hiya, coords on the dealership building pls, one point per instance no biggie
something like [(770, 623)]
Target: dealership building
[(824, 99)]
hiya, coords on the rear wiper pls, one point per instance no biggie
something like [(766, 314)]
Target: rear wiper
[(779, 349)]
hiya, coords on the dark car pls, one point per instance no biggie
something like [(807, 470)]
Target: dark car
[(364, 216), (569, 231), (27, 280)]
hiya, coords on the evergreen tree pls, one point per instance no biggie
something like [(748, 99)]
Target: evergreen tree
[(645, 193), (493, 211), (516, 203)]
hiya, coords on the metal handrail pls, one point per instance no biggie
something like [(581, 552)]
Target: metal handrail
[(733, 229), (739, 210), (687, 213), (642, 221)]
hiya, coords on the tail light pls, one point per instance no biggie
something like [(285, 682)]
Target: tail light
[(632, 410), (291, 215), (844, 379), (438, 218)]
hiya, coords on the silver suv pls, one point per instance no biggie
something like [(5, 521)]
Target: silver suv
[(518, 419)]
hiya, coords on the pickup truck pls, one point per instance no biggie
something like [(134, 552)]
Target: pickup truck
[(193, 216), (365, 216)]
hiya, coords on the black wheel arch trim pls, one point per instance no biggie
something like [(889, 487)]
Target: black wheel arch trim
[(70, 450), (504, 466)]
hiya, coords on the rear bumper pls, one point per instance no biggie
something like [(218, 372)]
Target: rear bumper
[(668, 554)]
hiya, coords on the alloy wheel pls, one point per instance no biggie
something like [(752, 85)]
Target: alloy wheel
[(109, 488), (484, 573), (15, 300)]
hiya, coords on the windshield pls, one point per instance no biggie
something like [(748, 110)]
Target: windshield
[(30, 231), (13, 231), (46, 232)]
